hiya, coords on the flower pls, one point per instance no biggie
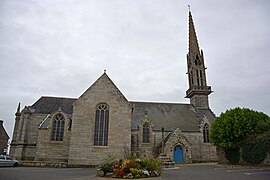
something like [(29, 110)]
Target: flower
[(146, 173)]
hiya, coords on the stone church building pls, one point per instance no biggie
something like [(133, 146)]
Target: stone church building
[(103, 122)]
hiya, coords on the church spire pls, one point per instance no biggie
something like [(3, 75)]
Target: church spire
[(198, 90), (192, 37), (18, 112)]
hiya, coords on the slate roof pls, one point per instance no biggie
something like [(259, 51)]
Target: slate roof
[(167, 115), (47, 105), (3, 131), (206, 112)]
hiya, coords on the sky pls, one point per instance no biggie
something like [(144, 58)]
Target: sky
[(60, 47)]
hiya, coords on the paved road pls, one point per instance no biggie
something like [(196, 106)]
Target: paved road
[(187, 172), (206, 172)]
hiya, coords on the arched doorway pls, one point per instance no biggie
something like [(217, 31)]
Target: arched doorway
[(178, 154)]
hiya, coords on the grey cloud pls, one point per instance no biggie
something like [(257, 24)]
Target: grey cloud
[(59, 48)]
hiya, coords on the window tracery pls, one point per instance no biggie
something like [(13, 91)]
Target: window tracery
[(101, 125), (58, 127), (146, 133), (206, 134)]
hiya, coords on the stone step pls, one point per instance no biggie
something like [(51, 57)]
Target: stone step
[(167, 162)]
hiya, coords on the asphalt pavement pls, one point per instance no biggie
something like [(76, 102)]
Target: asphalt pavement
[(183, 172)]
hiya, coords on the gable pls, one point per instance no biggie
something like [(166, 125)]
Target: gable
[(103, 85)]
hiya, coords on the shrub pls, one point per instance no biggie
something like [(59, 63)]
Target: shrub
[(107, 165), (153, 165), (232, 155), (255, 150), (235, 125)]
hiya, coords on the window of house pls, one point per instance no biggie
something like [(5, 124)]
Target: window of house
[(101, 125), (206, 133), (146, 133), (58, 127)]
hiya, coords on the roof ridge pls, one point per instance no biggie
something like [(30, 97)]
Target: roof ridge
[(57, 97), (158, 102)]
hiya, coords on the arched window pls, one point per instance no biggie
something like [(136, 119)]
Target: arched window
[(58, 127), (101, 125), (206, 133), (198, 78), (146, 133), (201, 76)]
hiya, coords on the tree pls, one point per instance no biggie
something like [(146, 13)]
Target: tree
[(235, 125)]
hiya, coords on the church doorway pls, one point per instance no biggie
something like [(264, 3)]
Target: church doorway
[(178, 154)]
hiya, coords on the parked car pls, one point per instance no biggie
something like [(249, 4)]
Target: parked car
[(6, 160)]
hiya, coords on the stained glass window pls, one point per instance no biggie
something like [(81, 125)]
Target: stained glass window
[(58, 127), (206, 133), (101, 125), (146, 133)]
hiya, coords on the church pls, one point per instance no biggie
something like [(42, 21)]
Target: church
[(102, 122)]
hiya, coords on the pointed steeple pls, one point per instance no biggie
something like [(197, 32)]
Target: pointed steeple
[(198, 90), (19, 107), (18, 112), (192, 37)]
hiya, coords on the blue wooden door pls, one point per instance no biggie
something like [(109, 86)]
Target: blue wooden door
[(178, 154)]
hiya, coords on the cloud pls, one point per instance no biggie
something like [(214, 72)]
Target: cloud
[(59, 48)]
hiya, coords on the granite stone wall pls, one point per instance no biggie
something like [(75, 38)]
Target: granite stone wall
[(82, 150), (192, 143), (23, 145), (53, 151)]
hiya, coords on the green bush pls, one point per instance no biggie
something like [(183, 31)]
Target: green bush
[(235, 125), (232, 155), (255, 150), (152, 164), (107, 164)]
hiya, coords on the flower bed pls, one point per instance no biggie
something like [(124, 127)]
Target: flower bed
[(130, 168)]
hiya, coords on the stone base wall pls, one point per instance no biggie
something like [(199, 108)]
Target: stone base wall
[(29, 152), (16, 150), (43, 164)]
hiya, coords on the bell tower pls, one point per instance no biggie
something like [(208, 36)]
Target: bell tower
[(198, 90)]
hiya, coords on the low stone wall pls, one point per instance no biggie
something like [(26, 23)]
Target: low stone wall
[(52, 164), (44, 164)]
